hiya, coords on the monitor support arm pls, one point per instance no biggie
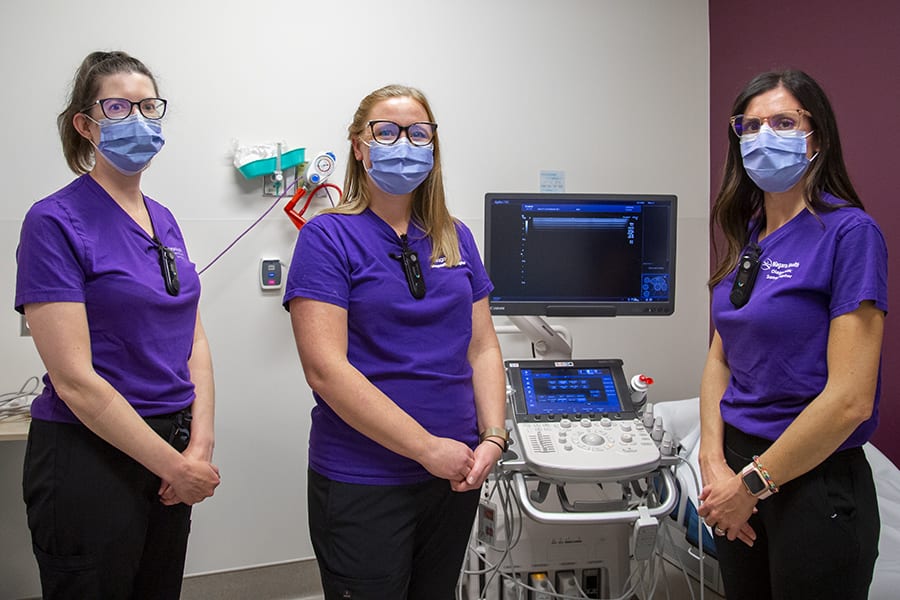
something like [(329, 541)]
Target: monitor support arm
[(549, 343)]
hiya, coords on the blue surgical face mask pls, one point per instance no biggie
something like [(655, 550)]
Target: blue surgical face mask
[(401, 167), (773, 162), (131, 143)]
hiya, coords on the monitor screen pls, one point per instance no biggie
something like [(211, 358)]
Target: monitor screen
[(580, 255)]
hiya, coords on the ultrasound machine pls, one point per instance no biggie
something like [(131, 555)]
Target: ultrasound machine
[(578, 426)]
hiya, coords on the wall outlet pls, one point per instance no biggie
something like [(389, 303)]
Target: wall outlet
[(24, 330)]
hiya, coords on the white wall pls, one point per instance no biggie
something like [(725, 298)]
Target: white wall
[(614, 93)]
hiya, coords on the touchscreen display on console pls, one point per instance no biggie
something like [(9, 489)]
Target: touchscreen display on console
[(569, 391), (579, 387)]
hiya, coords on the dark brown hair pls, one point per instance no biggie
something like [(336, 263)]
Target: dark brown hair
[(740, 201)]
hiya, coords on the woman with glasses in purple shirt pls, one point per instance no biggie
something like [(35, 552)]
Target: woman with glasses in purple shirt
[(388, 300), (791, 386), (121, 437)]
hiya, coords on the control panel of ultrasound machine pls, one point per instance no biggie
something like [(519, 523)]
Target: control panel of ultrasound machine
[(574, 420)]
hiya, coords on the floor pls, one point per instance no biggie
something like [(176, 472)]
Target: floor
[(299, 580)]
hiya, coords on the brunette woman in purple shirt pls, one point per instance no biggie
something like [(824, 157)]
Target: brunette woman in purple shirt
[(121, 437), (792, 382), (388, 300)]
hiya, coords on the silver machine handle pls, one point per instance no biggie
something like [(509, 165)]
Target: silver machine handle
[(587, 518)]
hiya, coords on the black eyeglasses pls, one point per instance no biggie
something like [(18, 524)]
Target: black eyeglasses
[(411, 268), (117, 109), (168, 267), (387, 132)]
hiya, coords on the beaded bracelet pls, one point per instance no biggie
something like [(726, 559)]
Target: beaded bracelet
[(772, 487)]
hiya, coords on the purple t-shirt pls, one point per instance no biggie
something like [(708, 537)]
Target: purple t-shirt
[(813, 269), (78, 245), (415, 351)]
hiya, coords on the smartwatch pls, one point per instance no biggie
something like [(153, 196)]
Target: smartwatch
[(756, 484), (496, 432)]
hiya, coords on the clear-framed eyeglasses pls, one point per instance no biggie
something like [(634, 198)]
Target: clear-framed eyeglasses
[(387, 132), (787, 123), (117, 109)]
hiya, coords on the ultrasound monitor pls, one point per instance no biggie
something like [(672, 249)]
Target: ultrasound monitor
[(575, 255)]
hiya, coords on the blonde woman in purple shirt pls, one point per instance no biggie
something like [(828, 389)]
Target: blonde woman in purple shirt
[(121, 437), (388, 300), (792, 381)]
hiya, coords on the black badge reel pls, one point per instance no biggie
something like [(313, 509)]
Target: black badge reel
[(748, 269), (168, 266), (411, 268)]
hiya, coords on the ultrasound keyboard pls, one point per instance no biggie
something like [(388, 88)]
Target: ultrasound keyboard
[(574, 421)]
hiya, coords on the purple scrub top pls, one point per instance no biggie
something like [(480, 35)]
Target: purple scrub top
[(814, 268), (78, 245), (415, 351)]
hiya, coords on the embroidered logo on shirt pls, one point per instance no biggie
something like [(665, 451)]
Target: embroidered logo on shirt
[(441, 263), (779, 270)]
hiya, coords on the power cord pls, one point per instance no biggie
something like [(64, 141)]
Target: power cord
[(287, 189), (642, 580), (327, 187), (701, 556), (16, 406)]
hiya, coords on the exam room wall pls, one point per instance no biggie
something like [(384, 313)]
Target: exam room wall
[(518, 86), (853, 51)]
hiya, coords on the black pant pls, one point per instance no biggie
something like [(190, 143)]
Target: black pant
[(817, 538), (392, 542), (98, 528)]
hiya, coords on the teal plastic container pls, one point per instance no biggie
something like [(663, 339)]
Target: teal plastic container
[(266, 166)]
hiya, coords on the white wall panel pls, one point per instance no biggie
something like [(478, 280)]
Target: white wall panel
[(613, 92)]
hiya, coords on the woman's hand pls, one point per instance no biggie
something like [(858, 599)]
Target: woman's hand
[(726, 506), (446, 458), (486, 456), (196, 480), (714, 470), (194, 452)]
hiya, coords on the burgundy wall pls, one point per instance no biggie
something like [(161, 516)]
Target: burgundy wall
[(853, 50)]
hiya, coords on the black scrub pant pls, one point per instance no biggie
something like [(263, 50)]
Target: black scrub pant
[(394, 542), (98, 528), (817, 538)]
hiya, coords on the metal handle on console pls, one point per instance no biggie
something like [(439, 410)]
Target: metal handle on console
[(587, 518)]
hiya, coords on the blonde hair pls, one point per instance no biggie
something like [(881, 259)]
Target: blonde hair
[(429, 206)]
